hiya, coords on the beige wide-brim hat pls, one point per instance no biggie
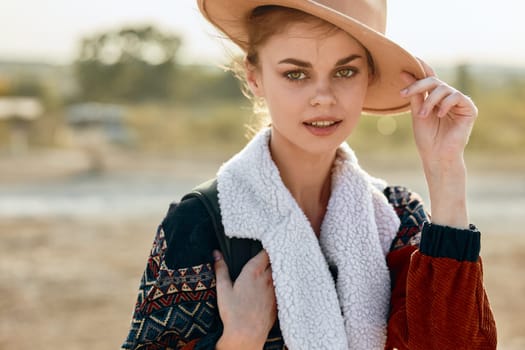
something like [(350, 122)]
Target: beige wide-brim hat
[(365, 20)]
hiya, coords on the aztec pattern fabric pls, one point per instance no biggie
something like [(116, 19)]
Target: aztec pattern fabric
[(177, 308), (174, 307), (409, 207)]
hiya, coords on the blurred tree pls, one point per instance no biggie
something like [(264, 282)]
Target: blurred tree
[(206, 84), (464, 79), (27, 86), (131, 64)]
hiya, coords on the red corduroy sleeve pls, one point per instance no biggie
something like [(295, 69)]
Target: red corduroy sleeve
[(438, 299), (190, 345)]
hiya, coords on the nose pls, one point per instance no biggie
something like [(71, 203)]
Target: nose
[(323, 95)]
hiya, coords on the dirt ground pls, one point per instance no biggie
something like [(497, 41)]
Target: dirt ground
[(70, 283)]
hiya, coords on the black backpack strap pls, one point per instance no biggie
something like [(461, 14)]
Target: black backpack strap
[(236, 251), (207, 194)]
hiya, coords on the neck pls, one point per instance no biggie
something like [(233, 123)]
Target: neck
[(307, 176)]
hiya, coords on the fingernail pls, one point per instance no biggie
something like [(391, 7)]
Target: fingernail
[(422, 112), (217, 255), (404, 92)]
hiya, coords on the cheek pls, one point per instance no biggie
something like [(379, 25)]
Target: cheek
[(282, 107), (352, 95), (281, 97)]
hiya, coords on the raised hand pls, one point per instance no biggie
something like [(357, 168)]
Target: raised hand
[(442, 121), (443, 116), (247, 307)]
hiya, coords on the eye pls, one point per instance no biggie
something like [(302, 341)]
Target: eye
[(344, 73), (295, 75)]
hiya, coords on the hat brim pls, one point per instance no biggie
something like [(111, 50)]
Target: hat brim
[(382, 98)]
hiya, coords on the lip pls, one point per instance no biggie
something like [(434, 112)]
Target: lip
[(322, 131), (321, 118)]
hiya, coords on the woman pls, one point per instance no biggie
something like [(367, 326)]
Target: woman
[(348, 262)]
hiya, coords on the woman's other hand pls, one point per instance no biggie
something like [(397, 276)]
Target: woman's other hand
[(247, 307)]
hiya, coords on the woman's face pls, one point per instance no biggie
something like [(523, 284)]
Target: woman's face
[(314, 84)]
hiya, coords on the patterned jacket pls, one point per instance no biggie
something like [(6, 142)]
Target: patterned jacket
[(437, 301)]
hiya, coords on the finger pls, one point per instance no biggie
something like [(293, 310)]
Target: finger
[(269, 276), (453, 100), (259, 262), (415, 100), (428, 70), (408, 78), (273, 315), (422, 86), (222, 275), (434, 99)]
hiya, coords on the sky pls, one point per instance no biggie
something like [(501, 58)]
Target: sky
[(440, 32)]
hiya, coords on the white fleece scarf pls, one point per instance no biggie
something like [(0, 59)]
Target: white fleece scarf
[(314, 312)]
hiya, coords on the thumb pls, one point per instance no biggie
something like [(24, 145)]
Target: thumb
[(222, 275), (416, 100)]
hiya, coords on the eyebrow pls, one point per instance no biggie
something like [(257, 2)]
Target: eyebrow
[(306, 64)]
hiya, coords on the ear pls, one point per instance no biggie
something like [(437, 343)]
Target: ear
[(253, 78)]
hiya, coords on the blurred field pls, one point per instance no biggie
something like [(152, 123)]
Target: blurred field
[(69, 280), (80, 199)]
